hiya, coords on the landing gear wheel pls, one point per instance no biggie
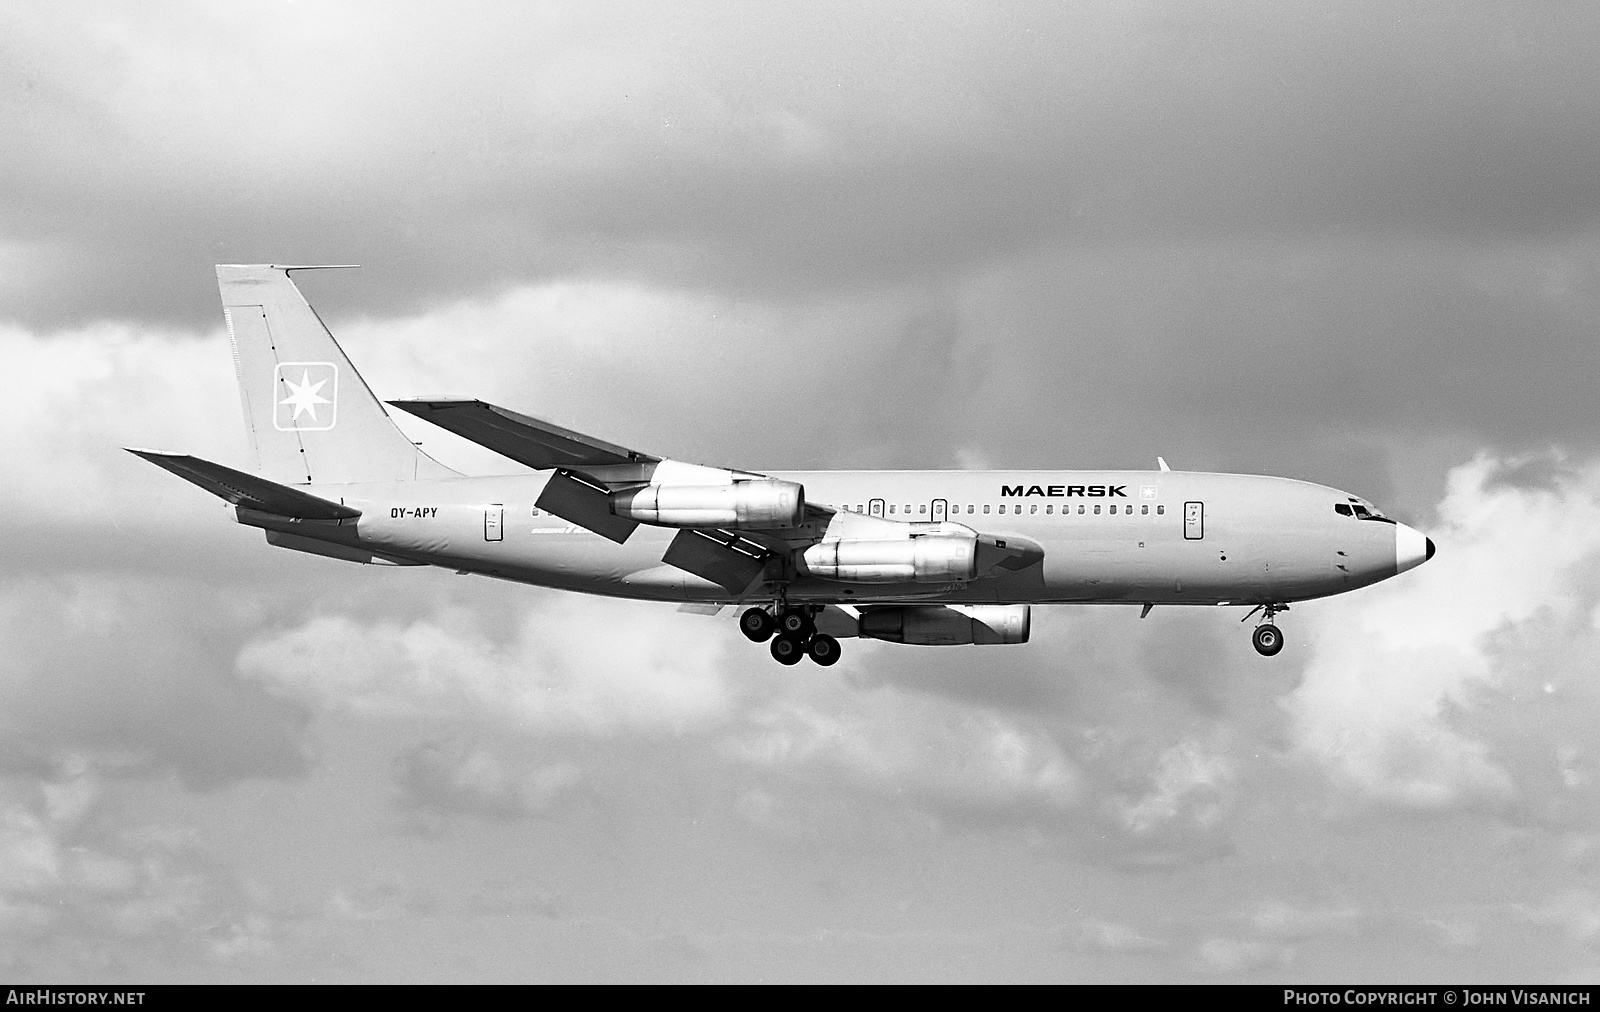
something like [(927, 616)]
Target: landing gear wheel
[(795, 622), (1267, 639), (824, 649), (787, 650), (757, 625)]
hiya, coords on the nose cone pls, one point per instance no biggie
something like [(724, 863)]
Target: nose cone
[(1411, 548)]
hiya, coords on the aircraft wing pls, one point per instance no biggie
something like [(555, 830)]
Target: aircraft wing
[(538, 444), (248, 490), (587, 469)]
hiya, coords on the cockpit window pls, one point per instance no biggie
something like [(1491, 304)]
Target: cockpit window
[(1360, 511)]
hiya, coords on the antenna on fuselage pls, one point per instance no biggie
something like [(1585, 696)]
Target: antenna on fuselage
[(1163, 462)]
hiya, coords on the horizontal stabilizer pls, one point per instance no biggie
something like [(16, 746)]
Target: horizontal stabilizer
[(539, 445), (247, 490)]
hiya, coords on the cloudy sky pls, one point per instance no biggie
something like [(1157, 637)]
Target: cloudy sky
[(1353, 243)]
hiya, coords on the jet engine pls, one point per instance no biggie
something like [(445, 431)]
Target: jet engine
[(756, 504), (930, 558), (947, 625)]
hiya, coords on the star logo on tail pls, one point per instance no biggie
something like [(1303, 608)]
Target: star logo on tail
[(306, 398)]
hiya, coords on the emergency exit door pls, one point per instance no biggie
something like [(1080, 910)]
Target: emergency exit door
[(875, 508), (940, 508), (494, 522), (1194, 520)]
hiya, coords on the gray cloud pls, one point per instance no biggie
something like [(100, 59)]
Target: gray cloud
[(140, 671), (709, 146)]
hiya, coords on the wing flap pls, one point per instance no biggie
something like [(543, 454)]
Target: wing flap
[(719, 556), (247, 490), (570, 497)]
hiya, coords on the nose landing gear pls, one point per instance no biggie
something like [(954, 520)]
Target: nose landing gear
[(1267, 638), (796, 637)]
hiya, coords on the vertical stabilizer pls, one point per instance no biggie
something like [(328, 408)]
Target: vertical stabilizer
[(310, 416)]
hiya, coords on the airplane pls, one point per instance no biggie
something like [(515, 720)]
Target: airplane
[(937, 558)]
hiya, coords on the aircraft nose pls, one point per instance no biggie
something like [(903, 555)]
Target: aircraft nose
[(1411, 548)]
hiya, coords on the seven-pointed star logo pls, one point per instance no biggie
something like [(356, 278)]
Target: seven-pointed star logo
[(305, 396), (312, 396)]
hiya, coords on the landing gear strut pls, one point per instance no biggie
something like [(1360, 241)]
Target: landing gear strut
[(1267, 638), (796, 630)]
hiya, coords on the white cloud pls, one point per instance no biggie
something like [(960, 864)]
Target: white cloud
[(76, 880), (579, 664), (1233, 955), (1397, 670), (84, 394), (947, 755), (1575, 913), (1187, 784), (483, 780)]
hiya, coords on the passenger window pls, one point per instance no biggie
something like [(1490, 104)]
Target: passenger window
[(971, 508), (1144, 510), (1080, 509), (892, 507), (1050, 508), (986, 507), (1160, 510), (922, 508), (1033, 508), (1002, 507), (536, 511), (1097, 508)]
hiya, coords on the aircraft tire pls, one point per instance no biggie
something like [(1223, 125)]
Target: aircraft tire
[(757, 625), (1267, 638), (787, 650), (824, 649), (796, 623)]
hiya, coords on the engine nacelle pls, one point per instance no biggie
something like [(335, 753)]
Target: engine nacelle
[(931, 558), (948, 625), (755, 504)]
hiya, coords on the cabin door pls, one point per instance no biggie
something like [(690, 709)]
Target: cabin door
[(1194, 521), (940, 508), (494, 522)]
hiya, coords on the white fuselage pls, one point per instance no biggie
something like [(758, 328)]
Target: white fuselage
[(1161, 537)]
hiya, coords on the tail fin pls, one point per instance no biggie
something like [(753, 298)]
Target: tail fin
[(310, 416)]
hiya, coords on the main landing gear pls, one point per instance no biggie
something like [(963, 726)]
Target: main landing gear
[(796, 636), (1267, 638)]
